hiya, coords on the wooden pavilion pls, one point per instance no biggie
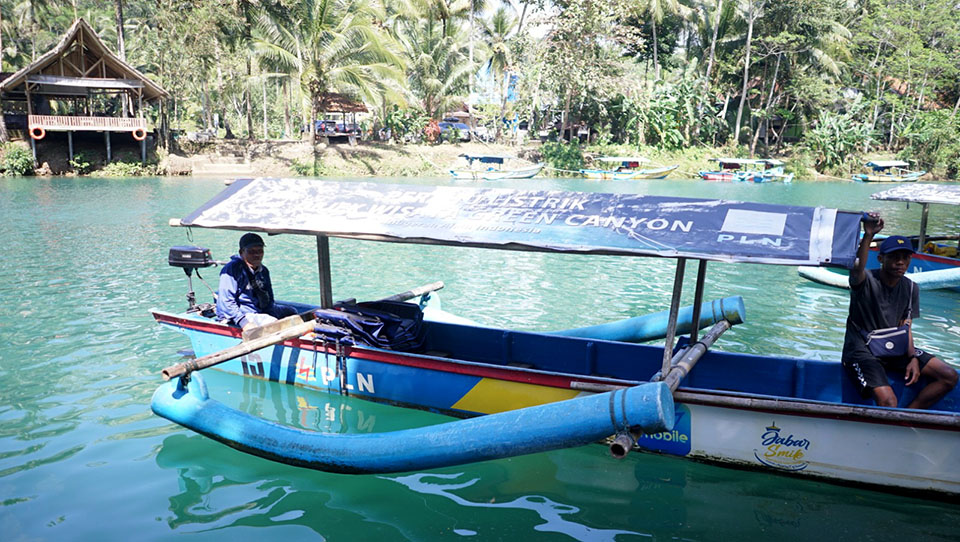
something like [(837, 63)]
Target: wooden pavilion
[(79, 86)]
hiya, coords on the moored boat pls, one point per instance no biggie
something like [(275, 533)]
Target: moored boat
[(936, 264), (748, 170), (628, 168), (888, 171), (524, 391), (491, 168)]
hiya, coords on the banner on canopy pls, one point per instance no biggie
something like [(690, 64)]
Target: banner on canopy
[(582, 222)]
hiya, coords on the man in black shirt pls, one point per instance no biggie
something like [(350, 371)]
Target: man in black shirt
[(884, 298)]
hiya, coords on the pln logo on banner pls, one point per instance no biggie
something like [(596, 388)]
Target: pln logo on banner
[(674, 442), (782, 452)]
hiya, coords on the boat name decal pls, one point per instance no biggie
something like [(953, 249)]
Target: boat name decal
[(782, 452), (252, 365), (307, 371), (675, 442)]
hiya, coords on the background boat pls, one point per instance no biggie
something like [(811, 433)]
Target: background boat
[(628, 168), (748, 170), (888, 171), (495, 169)]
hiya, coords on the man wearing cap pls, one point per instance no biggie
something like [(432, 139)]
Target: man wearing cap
[(245, 295), (883, 298)]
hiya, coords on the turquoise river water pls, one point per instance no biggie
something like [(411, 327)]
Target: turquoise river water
[(83, 458)]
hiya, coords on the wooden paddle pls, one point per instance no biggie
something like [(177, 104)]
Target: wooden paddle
[(274, 333), (236, 351)]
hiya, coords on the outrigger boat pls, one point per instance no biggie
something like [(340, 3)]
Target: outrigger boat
[(748, 170), (935, 265), (888, 171), (628, 169), (522, 392), (490, 168)]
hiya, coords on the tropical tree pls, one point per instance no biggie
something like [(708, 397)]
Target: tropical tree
[(332, 46), (655, 11), (750, 10), (500, 59), (436, 55)]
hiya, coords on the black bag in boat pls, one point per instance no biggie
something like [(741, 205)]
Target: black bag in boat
[(392, 325)]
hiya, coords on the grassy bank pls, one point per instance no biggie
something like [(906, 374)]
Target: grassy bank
[(367, 159)]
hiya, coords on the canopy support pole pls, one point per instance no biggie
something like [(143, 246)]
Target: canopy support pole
[(925, 213), (698, 299), (672, 324), (323, 265)]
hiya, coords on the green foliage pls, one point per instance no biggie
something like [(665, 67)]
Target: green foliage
[(676, 116), (405, 123), (933, 141), (563, 156), (80, 163), (15, 160), (834, 138), (127, 169)]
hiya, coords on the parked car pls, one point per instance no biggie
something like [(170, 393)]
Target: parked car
[(347, 128), (326, 126), (451, 125)]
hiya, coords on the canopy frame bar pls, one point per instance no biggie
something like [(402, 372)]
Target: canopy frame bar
[(323, 266)]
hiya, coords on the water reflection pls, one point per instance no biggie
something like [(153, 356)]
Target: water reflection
[(551, 512)]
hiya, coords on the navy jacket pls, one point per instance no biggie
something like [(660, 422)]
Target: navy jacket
[(236, 296)]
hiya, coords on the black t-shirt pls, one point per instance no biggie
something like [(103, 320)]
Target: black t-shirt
[(874, 305)]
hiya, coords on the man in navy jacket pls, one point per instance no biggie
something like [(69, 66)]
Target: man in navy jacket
[(245, 296)]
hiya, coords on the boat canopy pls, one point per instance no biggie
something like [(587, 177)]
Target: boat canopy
[(636, 159), (750, 161), (544, 221), (885, 164), (485, 158), (922, 193)]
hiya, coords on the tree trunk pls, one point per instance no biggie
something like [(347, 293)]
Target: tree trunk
[(263, 86), (656, 63), (246, 98), (207, 110), (287, 128), (713, 42), (121, 47), (746, 77), (766, 116)]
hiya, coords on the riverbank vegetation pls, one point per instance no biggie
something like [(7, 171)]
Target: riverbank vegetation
[(827, 82)]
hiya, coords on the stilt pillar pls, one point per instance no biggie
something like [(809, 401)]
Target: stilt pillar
[(106, 137)]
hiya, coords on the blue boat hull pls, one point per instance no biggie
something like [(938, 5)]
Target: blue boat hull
[(468, 371)]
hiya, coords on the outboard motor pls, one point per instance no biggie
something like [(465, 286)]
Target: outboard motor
[(190, 259)]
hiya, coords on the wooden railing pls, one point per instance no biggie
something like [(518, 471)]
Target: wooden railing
[(56, 123)]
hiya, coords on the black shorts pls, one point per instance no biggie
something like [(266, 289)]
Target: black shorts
[(869, 372)]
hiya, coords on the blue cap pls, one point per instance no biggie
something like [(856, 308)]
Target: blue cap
[(250, 240), (895, 243)]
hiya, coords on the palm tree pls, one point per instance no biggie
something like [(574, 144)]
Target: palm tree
[(332, 46), (500, 59), (656, 9), (437, 71)]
